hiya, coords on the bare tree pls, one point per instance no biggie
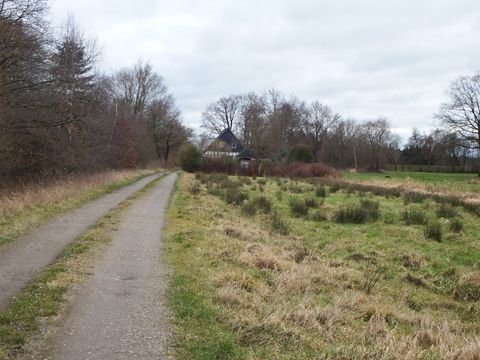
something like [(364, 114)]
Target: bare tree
[(461, 115), (168, 132), (137, 88), (319, 121), (222, 114), (377, 136), (255, 125)]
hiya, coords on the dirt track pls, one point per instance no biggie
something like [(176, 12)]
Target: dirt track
[(21, 259), (120, 313)]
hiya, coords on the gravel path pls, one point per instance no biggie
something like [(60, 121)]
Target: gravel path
[(120, 313), (21, 259)]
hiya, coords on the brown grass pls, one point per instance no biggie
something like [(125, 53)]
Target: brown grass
[(284, 297), (26, 206), (24, 197)]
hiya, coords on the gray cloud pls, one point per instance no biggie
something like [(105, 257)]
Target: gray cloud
[(366, 59)]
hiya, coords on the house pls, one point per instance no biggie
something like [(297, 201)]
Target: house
[(227, 145)]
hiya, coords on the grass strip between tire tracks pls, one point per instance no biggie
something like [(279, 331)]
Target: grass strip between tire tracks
[(24, 323)]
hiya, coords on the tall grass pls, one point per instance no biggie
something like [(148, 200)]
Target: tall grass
[(26, 206)]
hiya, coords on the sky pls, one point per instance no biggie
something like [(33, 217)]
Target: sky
[(366, 59)]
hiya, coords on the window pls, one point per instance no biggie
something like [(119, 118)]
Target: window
[(234, 145)]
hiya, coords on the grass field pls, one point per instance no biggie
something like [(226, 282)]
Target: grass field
[(445, 181), (278, 269)]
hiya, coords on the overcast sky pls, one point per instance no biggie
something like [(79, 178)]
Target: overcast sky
[(366, 59)]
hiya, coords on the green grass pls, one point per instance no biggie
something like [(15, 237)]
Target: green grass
[(461, 182), (17, 223), (45, 297), (199, 333), (324, 289)]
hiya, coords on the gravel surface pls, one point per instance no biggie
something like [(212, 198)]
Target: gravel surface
[(120, 313), (21, 259)]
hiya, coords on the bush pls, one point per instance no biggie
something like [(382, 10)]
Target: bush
[(446, 211), (433, 231), (456, 225), (224, 165), (300, 153), (280, 225), (298, 207), (414, 216), (190, 158), (321, 191), (351, 215)]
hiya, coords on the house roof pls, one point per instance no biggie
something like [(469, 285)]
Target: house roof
[(229, 138), (246, 154)]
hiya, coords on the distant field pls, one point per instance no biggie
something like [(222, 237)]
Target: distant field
[(278, 269), (458, 182)]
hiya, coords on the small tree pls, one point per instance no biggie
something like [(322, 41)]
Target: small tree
[(301, 153), (190, 158)]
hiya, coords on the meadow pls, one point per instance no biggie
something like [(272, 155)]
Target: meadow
[(271, 268), (444, 181)]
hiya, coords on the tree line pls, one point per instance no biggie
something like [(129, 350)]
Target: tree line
[(59, 114), (288, 129)]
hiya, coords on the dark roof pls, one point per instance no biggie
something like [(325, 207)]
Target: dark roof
[(228, 137), (246, 154)]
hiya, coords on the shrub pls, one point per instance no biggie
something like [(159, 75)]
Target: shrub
[(321, 191), (300, 153), (352, 214), (433, 231), (298, 207), (446, 211), (372, 207), (456, 225), (414, 216), (224, 165), (280, 225), (190, 158)]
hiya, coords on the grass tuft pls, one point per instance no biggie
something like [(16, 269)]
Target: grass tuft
[(433, 231), (414, 216)]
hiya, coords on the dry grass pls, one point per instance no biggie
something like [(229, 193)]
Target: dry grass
[(286, 297), (27, 206)]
